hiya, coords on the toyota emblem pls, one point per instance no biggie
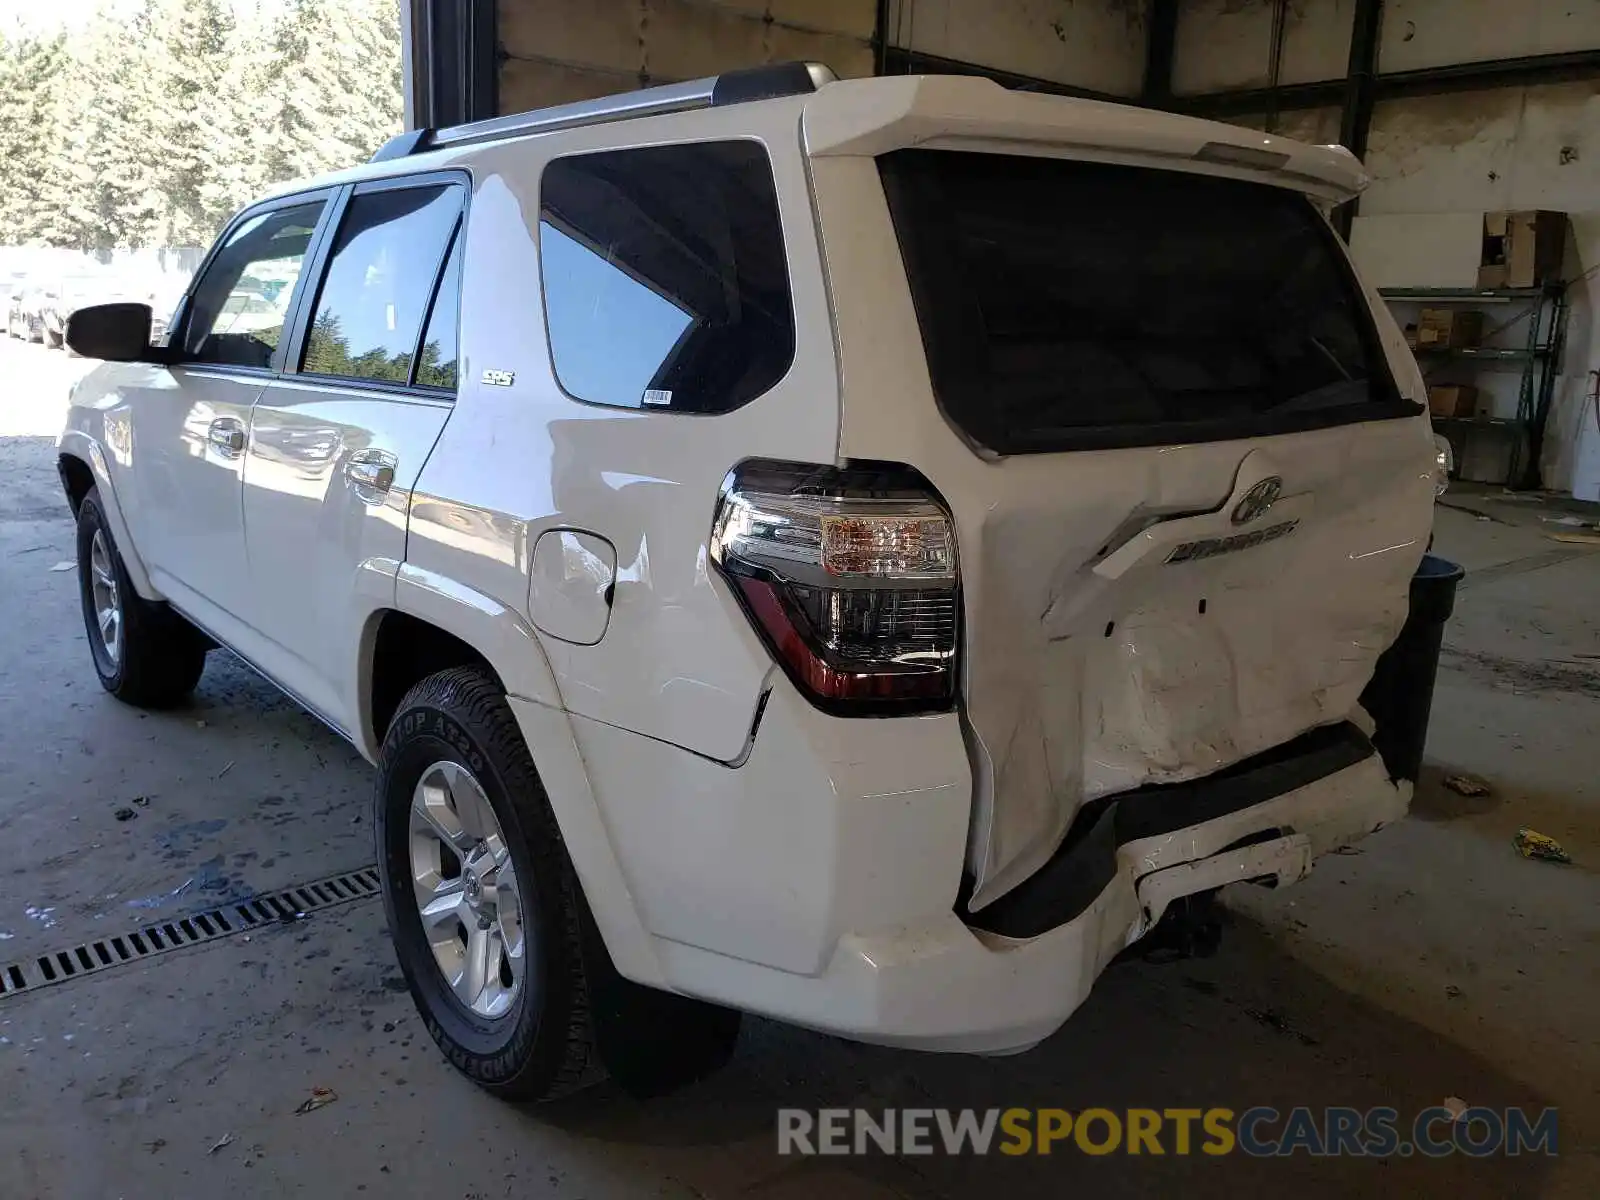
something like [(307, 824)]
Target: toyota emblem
[(1258, 500)]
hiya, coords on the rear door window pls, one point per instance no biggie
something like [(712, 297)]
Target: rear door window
[(1072, 305), (436, 364), (380, 283), (665, 280)]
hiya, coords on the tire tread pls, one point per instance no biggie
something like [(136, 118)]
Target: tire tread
[(476, 700), (163, 656)]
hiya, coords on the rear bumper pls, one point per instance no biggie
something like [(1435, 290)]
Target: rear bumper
[(817, 882), (1087, 860), (943, 986)]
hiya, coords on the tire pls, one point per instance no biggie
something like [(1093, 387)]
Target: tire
[(156, 657), (541, 1046), (52, 341)]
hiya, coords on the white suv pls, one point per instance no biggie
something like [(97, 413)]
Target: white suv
[(854, 552)]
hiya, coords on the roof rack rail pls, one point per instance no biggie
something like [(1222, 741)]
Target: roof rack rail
[(731, 87)]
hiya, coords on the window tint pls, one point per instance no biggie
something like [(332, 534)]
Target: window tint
[(378, 284), (665, 279), (239, 306), (436, 365), (1073, 305)]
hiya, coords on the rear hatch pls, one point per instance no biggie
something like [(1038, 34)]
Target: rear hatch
[(1188, 491)]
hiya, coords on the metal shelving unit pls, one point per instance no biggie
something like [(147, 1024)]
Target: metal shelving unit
[(1545, 309), (1485, 354)]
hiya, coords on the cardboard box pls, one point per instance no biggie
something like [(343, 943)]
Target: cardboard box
[(1455, 400), (1522, 249), (1448, 328)]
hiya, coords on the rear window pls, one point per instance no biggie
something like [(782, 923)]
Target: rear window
[(1071, 305)]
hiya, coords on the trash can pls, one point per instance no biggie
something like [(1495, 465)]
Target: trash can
[(1400, 694)]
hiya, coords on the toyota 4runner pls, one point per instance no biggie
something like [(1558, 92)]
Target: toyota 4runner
[(854, 552)]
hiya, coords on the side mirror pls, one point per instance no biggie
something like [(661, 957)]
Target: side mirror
[(115, 332)]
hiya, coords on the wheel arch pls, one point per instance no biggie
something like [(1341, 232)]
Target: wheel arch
[(437, 619), (399, 651), (445, 615), (81, 465)]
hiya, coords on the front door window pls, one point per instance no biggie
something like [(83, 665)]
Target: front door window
[(241, 304)]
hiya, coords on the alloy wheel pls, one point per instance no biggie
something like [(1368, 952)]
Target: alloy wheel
[(466, 890), (107, 597)]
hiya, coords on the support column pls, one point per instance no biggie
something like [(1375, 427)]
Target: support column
[(1159, 50), (1360, 92)]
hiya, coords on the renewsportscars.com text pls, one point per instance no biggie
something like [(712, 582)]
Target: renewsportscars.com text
[(1260, 1132)]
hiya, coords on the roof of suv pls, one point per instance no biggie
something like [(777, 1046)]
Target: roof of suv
[(873, 116)]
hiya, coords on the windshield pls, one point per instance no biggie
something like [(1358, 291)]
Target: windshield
[(1073, 305)]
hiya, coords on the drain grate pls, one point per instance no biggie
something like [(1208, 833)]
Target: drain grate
[(240, 916)]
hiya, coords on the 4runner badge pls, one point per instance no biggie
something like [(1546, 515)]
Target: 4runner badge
[(1258, 500), (1211, 547)]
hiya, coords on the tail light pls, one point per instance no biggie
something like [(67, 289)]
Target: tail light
[(850, 577)]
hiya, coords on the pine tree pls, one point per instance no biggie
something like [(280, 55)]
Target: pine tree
[(154, 130), (187, 44), (105, 180), (237, 135), (13, 91), (32, 76), (368, 36), (332, 96)]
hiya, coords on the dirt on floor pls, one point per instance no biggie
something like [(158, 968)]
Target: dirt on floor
[(1431, 962)]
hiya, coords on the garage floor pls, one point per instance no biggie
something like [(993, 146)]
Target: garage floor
[(1434, 962)]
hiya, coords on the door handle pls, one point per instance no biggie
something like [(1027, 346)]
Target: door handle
[(372, 473), (226, 436)]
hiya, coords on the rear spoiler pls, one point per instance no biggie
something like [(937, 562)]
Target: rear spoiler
[(875, 116)]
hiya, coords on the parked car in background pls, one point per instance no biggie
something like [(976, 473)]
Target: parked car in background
[(37, 302), (67, 295), (111, 286), (247, 310), (26, 317), (11, 292), (165, 292), (55, 306)]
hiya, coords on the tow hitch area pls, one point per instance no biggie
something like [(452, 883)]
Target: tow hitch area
[(1190, 928), (1140, 830), (1265, 859), (1183, 920)]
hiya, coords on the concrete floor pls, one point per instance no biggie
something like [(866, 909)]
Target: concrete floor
[(1432, 963)]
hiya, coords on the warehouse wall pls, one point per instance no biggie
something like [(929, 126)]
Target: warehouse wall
[(1319, 126), (1431, 33), (1514, 148), (560, 50), (1098, 45), (1511, 148), (1227, 44), (1223, 44)]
